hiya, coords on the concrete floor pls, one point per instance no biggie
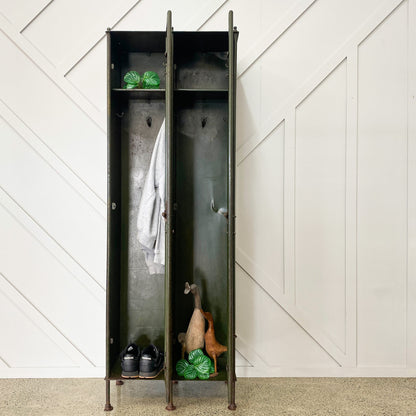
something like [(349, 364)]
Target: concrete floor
[(255, 396)]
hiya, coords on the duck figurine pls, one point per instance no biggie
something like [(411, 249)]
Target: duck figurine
[(194, 337), (213, 348)]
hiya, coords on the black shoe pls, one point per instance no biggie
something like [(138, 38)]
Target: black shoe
[(151, 362), (129, 358)]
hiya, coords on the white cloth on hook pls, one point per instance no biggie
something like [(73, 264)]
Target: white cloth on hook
[(150, 222)]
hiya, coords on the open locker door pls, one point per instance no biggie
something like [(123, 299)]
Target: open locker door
[(169, 214), (232, 77)]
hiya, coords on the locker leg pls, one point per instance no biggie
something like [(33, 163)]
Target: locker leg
[(169, 397), (231, 393), (119, 383), (108, 406)]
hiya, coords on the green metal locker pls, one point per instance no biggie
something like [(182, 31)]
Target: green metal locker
[(197, 99)]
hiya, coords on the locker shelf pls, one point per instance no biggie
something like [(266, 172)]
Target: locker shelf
[(115, 374), (140, 93)]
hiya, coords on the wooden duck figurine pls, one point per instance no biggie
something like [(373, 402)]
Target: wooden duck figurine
[(213, 348), (194, 337)]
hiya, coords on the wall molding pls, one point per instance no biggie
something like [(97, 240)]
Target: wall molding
[(336, 363), (249, 354), (301, 318), (3, 363), (59, 81), (93, 37), (43, 323), (96, 34), (377, 18), (53, 160), (23, 25), (52, 246), (204, 13), (265, 41), (351, 208), (411, 188)]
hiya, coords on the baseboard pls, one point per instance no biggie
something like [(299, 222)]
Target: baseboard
[(325, 372), (70, 372), (99, 372)]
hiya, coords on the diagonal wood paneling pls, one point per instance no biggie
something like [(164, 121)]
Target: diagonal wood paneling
[(320, 206), (240, 360), (256, 227), (69, 38), (309, 84), (95, 60), (52, 204), (58, 351), (84, 45), (44, 65), (53, 177), (51, 115), (203, 15), (45, 282), (53, 160), (3, 363), (267, 335), (44, 352), (63, 175), (347, 286), (382, 216), (195, 21), (20, 12), (263, 43), (95, 288)]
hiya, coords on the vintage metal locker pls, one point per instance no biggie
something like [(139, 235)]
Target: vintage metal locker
[(197, 99)]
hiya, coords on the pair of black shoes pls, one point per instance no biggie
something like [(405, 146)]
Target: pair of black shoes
[(141, 364)]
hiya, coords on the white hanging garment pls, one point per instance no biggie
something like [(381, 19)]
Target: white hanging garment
[(150, 222)]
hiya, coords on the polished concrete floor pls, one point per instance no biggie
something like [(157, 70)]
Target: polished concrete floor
[(255, 396)]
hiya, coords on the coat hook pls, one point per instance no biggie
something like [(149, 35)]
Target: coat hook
[(221, 211), (149, 121), (203, 121), (120, 115)]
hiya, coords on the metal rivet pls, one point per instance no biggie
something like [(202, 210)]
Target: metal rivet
[(113, 206), (111, 340)]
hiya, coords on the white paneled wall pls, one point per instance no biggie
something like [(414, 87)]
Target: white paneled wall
[(319, 253), (326, 178), (382, 214)]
